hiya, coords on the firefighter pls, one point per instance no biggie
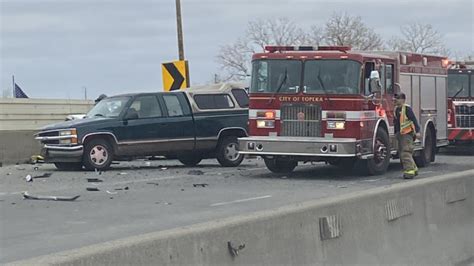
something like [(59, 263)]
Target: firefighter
[(407, 131)]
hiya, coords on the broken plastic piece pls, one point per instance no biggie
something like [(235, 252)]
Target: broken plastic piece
[(94, 180), (234, 251), (45, 175), (92, 189), (29, 178), (200, 185), (55, 198)]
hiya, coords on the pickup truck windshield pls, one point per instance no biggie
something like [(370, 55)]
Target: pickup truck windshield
[(268, 76), (320, 76), (109, 107)]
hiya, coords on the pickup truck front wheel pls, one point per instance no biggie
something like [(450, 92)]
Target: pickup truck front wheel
[(228, 152), (98, 154)]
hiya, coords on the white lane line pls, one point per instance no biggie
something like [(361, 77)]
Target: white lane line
[(240, 200)]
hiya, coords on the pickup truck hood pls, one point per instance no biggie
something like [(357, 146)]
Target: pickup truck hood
[(77, 123)]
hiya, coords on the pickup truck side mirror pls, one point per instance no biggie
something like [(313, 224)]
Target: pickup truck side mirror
[(131, 114), (375, 85)]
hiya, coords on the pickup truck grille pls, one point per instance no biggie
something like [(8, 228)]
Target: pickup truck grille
[(49, 134), (465, 116), (301, 120)]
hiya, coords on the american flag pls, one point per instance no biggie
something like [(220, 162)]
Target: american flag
[(19, 93)]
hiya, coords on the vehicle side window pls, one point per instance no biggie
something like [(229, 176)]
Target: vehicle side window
[(369, 66), (241, 96), (214, 101), (389, 78), (382, 77), (146, 106), (173, 105)]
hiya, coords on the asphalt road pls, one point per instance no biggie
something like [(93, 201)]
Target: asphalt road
[(159, 195)]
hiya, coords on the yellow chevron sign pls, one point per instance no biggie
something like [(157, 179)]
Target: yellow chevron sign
[(175, 75)]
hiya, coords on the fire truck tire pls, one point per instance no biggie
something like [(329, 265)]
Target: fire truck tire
[(427, 155), (280, 166), (379, 163), (228, 152)]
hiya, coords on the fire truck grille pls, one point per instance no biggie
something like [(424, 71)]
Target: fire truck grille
[(301, 120), (464, 116)]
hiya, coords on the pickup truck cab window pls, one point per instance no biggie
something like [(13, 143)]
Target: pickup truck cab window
[(214, 101), (146, 107), (241, 97), (173, 105)]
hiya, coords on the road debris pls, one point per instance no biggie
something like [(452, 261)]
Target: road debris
[(195, 172), (29, 178), (200, 185), (45, 175), (55, 198), (122, 173), (110, 192), (153, 183), (36, 159), (98, 172), (92, 189), (234, 251), (125, 188), (164, 168), (94, 180)]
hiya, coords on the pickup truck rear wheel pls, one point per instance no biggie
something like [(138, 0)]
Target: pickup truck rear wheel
[(190, 160), (228, 152), (67, 166), (280, 166), (98, 154)]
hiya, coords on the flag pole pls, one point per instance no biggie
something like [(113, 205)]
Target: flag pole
[(13, 86)]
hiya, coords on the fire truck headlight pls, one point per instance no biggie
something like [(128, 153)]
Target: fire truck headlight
[(265, 123), (336, 125)]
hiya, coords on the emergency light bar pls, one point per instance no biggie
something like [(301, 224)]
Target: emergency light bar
[(273, 49)]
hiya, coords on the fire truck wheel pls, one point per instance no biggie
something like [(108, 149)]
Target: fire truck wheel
[(280, 166), (379, 163), (228, 152), (427, 155)]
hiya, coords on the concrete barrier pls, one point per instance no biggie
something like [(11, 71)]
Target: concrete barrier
[(425, 222), (21, 118)]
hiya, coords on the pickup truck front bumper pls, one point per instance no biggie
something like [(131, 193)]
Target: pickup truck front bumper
[(300, 146), (53, 154)]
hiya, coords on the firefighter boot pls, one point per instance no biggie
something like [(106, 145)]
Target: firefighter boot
[(409, 174)]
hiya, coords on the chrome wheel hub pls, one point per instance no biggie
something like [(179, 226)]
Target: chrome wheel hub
[(98, 155), (232, 152)]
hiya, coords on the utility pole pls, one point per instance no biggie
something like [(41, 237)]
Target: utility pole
[(180, 30)]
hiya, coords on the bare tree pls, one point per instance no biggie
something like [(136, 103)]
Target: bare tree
[(235, 58), (346, 30), (419, 38)]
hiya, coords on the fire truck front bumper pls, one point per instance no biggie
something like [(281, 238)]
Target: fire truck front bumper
[(300, 146)]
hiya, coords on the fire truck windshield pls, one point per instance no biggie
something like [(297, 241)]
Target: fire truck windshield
[(458, 85), (269, 75), (320, 76)]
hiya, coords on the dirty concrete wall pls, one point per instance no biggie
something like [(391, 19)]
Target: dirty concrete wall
[(17, 146), (21, 118), (425, 222)]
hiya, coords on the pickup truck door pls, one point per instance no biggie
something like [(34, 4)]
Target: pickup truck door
[(146, 128), (180, 122)]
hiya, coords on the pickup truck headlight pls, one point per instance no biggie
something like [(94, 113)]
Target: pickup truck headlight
[(336, 124), (265, 123), (68, 132)]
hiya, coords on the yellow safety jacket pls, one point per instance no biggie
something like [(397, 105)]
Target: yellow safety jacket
[(406, 126)]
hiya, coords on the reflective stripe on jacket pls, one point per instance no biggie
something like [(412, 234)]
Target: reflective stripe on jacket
[(406, 126)]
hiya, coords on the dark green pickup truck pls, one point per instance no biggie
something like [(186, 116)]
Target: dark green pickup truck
[(202, 122)]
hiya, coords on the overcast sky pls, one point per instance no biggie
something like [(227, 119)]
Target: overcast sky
[(56, 47)]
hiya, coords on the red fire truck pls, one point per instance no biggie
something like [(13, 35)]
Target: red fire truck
[(461, 103), (335, 105)]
